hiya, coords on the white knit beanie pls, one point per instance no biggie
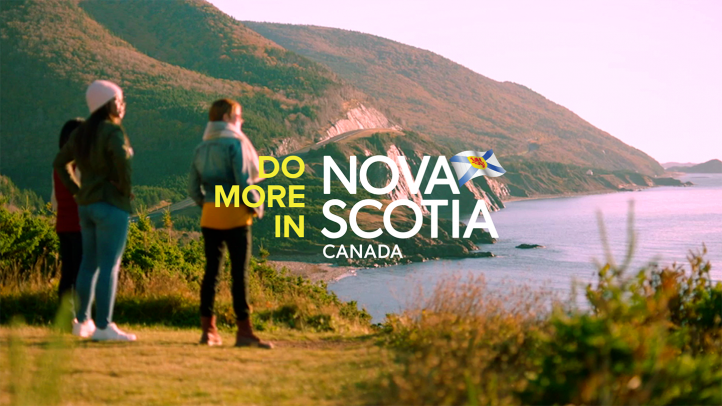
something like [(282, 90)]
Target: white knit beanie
[(101, 92)]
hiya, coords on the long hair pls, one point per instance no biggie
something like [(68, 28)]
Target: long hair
[(87, 133), (68, 129)]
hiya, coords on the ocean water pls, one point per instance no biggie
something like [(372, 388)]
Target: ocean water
[(668, 223)]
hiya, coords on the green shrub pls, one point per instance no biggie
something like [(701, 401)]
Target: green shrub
[(27, 241), (653, 338), (159, 282), (464, 344)]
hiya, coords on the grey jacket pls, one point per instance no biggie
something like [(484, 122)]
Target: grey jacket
[(226, 157)]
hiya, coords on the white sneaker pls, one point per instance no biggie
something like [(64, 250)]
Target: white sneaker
[(84, 329), (112, 333)]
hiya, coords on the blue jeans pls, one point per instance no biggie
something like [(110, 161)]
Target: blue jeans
[(105, 230)]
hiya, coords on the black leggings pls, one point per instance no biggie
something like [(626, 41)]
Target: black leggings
[(71, 253), (238, 241)]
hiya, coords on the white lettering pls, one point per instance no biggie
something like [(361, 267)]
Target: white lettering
[(481, 205), (414, 184), (350, 183), (441, 163), (417, 225), (394, 175), (354, 223), (435, 214), (381, 247), (336, 219)]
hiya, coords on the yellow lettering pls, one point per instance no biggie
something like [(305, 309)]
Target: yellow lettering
[(221, 194), (276, 196), (288, 222), (262, 167), (301, 166), (262, 196), (292, 195)]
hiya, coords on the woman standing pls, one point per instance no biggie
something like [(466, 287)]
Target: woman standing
[(102, 152), (67, 224), (225, 158)]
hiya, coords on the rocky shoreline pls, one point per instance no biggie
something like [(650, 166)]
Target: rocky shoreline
[(408, 259), (319, 268), (627, 187), (311, 267)]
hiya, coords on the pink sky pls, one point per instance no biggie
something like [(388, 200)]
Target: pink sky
[(647, 72)]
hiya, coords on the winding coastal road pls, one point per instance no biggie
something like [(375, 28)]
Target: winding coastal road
[(338, 138), (188, 202)]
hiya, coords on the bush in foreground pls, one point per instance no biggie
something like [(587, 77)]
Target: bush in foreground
[(653, 338)]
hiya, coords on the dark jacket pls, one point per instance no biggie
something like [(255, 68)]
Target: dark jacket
[(106, 172)]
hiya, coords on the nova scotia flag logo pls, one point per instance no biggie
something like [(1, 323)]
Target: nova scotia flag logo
[(471, 164)]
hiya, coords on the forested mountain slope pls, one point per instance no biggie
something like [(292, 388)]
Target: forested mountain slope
[(436, 96), (172, 59)]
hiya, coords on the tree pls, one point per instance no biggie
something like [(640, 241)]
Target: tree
[(168, 222)]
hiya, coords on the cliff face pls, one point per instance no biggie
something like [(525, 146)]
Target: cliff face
[(413, 148), (489, 189), (477, 189), (482, 189), (403, 189), (287, 146), (359, 118)]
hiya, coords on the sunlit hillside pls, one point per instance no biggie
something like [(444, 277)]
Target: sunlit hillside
[(434, 95), (172, 59)]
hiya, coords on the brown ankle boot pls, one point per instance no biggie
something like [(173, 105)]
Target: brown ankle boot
[(246, 338), (210, 334)]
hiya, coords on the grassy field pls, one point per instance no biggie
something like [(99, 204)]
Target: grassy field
[(166, 366)]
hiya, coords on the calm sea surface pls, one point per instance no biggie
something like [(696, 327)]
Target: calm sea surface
[(669, 221)]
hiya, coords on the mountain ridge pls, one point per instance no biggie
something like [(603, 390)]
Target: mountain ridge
[(52, 49), (667, 165), (434, 95)]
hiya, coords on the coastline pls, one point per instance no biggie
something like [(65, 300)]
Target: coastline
[(673, 175), (313, 267), (568, 194), (317, 268)]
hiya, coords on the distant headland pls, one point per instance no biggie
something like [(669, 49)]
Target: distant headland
[(711, 166)]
